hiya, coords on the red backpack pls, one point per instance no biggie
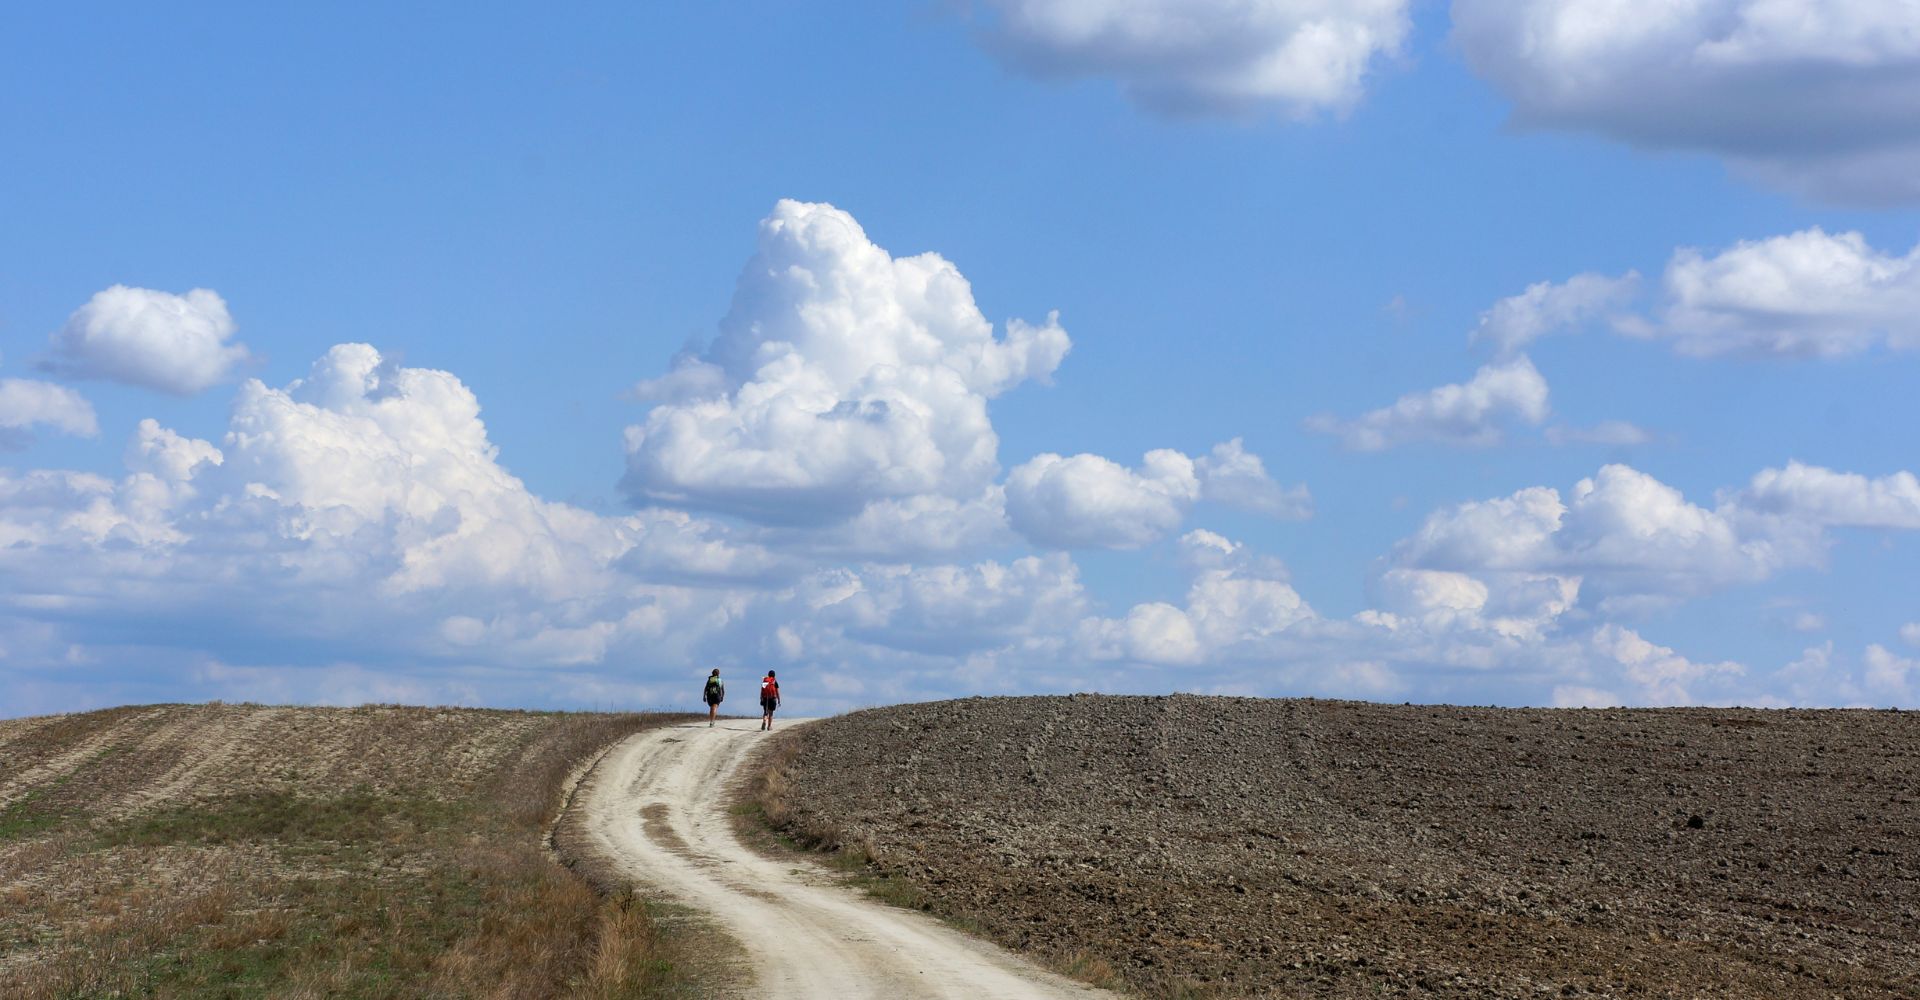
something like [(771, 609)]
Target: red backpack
[(769, 688)]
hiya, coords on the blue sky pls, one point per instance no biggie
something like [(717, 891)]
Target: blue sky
[(1249, 233)]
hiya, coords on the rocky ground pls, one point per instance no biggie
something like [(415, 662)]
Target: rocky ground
[(1243, 847)]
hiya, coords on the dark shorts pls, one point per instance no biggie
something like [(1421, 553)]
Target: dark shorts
[(769, 704)]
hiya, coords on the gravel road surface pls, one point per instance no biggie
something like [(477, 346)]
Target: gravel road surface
[(656, 807)]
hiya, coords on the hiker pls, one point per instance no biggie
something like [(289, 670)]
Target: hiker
[(769, 700), (715, 693)]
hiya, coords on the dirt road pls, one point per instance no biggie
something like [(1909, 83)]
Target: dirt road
[(656, 805)]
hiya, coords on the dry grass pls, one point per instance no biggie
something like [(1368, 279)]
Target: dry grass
[(376, 852)]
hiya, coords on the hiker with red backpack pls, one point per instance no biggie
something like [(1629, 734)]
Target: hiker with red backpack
[(769, 700)]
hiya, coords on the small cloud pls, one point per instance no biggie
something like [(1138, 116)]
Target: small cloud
[(178, 344), (1612, 433), (1472, 414)]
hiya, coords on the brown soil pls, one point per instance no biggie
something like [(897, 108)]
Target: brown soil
[(1244, 847)]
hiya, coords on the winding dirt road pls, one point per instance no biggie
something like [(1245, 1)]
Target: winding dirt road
[(656, 806)]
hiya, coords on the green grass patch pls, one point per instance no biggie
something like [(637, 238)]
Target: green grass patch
[(357, 817), (25, 819)]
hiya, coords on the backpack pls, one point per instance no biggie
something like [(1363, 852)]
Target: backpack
[(769, 689), (715, 691)]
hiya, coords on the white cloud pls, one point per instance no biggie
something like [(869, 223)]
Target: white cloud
[(841, 377), (1544, 308), (948, 609), (28, 403), (1806, 294), (1813, 495), (343, 512), (1517, 605), (1237, 599), (1807, 621), (1625, 533), (1236, 477), (1822, 676), (1812, 97), (174, 343), (1612, 433), (919, 526), (1473, 414), (1655, 674), (1910, 633), (1087, 501), (1890, 677), (1296, 58)]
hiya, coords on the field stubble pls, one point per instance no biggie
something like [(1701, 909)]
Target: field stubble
[(238, 850)]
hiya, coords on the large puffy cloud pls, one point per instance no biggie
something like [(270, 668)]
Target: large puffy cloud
[(1813, 97), (1806, 294), (1472, 414), (174, 343), (841, 377), (29, 403), (353, 510), (1298, 58), (1086, 501)]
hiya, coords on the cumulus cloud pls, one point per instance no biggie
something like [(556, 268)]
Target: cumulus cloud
[(1811, 494), (1473, 414), (351, 509), (179, 344), (1087, 501), (1295, 58), (1811, 97), (1545, 307), (1234, 476), (950, 609), (841, 377), (29, 403), (1806, 294), (1515, 604), (1910, 633), (1236, 601), (1623, 532)]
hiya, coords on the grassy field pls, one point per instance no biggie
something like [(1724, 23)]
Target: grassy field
[(239, 851)]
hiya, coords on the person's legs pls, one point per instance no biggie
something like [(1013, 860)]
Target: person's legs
[(712, 707)]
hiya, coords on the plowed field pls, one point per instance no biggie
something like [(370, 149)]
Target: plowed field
[(1241, 847)]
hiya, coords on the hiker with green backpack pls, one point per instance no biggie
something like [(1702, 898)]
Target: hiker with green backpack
[(714, 693)]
